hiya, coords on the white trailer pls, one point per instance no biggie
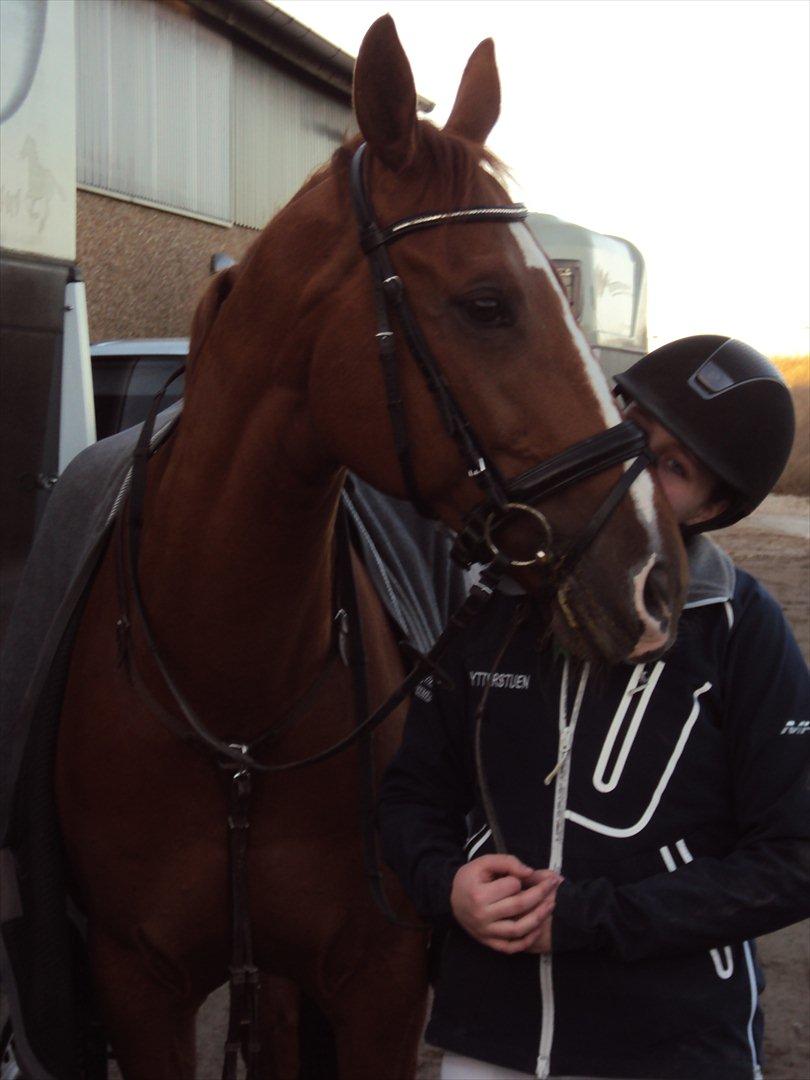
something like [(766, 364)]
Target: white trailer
[(47, 402), (605, 280)]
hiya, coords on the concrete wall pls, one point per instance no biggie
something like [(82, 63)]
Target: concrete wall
[(145, 268)]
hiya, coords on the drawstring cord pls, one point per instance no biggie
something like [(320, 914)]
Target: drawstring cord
[(567, 726)]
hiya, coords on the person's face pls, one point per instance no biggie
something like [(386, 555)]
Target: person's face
[(686, 482)]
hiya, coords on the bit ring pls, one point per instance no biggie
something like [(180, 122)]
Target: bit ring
[(541, 556)]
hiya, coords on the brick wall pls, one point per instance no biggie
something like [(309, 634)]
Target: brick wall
[(145, 269)]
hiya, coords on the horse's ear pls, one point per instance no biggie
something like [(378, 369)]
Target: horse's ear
[(478, 101), (213, 298), (385, 95)]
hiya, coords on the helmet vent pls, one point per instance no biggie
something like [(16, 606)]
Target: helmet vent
[(710, 379)]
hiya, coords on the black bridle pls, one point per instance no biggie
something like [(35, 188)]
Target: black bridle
[(503, 500)]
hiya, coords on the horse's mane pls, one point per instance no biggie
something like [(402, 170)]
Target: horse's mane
[(452, 156)]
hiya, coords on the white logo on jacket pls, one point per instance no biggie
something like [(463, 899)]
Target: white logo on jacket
[(500, 680), (796, 727)]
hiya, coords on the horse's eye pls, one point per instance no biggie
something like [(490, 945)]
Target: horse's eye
[(488, 309)]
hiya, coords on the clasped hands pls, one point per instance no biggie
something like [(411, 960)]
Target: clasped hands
[(505, 904)]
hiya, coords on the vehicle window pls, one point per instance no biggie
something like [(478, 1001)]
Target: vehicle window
[(614, 282), (124, 386)]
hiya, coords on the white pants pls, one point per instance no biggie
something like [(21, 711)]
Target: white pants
[(463, 1068)]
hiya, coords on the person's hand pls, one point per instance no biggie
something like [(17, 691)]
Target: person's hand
[(541, 943), (503, 903)]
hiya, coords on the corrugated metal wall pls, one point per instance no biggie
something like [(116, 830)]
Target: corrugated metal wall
[(154, 106), (172, 113), (282, 130)]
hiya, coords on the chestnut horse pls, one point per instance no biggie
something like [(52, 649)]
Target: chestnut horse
[(283, 393)]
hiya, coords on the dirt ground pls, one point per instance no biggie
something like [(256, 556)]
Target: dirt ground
[(772, 545)]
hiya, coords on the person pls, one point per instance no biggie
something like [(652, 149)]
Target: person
[(655, 817)]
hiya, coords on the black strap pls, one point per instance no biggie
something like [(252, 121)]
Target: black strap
[(574, 552), (468, 612), (586, 458), (519, 617), (140, 460), (244, 975), (393, 391), (389, 292), (583, 459), (365, 746)]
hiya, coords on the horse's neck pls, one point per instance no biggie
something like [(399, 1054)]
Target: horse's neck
[(239, 524), (239, 584)]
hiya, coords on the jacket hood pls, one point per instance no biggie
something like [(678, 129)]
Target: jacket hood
[(711, 572)]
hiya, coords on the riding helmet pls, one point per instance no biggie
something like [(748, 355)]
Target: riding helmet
[(727, 404)]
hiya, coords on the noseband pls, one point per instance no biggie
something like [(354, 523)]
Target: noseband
[(503, 500)]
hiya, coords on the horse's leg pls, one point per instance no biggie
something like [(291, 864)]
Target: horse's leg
[(149, 1010), (278, 1021), (316, 1042), (379, 1013)]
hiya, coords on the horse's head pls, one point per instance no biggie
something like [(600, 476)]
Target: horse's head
[(487, 374), (490, 310)]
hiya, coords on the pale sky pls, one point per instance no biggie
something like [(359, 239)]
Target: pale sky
[(683, 125)]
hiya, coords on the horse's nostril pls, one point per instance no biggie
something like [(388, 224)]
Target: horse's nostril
[(656, 592)]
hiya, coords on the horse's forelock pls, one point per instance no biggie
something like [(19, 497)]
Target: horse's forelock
[(459, 158)]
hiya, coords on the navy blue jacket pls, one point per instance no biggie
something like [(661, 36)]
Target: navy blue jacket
[(680, 818)]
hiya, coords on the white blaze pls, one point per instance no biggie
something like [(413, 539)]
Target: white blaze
[(534, 257)]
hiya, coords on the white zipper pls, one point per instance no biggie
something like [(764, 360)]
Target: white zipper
[(752, 981), (560, 774)]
